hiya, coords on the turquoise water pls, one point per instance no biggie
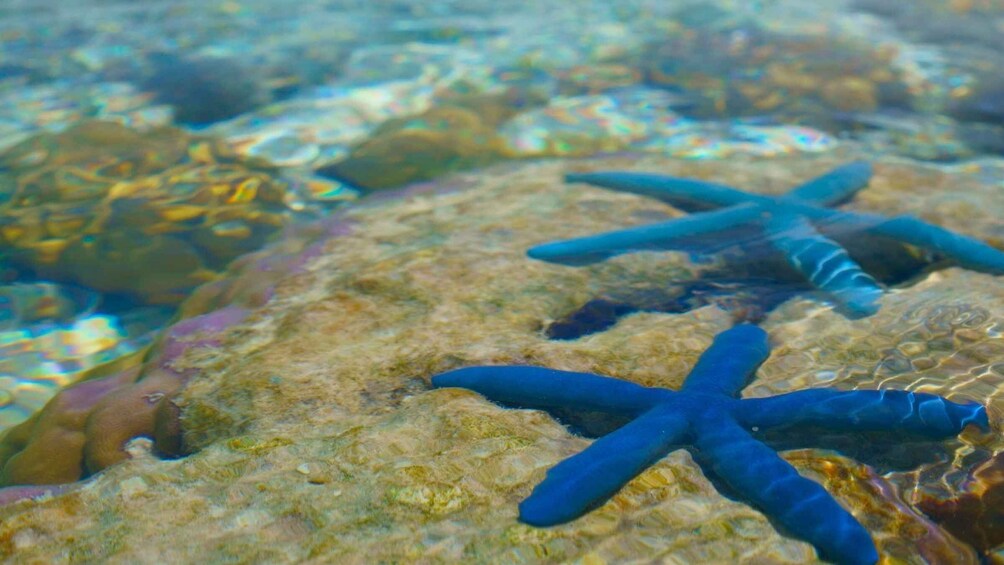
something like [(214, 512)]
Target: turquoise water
[(154, 154)]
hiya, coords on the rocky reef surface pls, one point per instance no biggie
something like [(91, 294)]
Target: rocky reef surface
[(313, 433)]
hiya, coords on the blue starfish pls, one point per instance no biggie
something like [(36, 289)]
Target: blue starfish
[(707, 415), (789, 223)]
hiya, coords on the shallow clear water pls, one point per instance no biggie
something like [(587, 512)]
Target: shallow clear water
[(167, 167)]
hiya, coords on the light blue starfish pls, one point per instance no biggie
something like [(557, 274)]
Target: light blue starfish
[(789, 222), (707, 416)]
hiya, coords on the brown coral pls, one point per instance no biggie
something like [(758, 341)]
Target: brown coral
[(976, 515), (85, 427), (148, 214)]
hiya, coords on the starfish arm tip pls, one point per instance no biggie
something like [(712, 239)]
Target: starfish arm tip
[(942, 415), (836, 186), (565, 253), (726, 366), (457, 378), (825, 263), (861, 170), (749, 333), (856, 302), (586, 480), (968, 252), (862, 410), (800, 505), (542, 513)]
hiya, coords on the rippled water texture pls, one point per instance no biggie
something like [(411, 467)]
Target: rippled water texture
[(238, 238)]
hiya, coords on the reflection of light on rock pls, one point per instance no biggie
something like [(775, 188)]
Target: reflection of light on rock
[(305, 188), (583, 125), (27, 110), (379, 83), (785, 139), (642, 119), (36, 362), (281, 149), (715, 142)]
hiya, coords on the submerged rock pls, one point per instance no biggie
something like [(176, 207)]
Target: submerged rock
[(420, 148), (147, 214), (749, 70), (975, 516), (203, 89), (315, 435)]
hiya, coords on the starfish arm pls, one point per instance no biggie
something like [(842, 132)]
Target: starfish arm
[(544, 389), (592, 249), (966, 251), (726, 366), (824, 262), (686, 194), (834, 187), (863, 410), (582, 482), (801, 506)]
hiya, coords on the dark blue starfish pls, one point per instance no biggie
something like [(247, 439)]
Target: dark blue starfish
[(707, 415), (789, 223)]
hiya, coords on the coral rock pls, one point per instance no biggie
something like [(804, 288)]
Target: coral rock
[(976, 515), (150, 215), (85, 427), (419, 148), (315, 436)]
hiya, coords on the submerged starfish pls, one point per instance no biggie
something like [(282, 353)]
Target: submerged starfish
[(707, 416), (788, 222)]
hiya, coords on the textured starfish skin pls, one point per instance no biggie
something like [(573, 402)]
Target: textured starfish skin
[(789, 222), (707, 416)]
